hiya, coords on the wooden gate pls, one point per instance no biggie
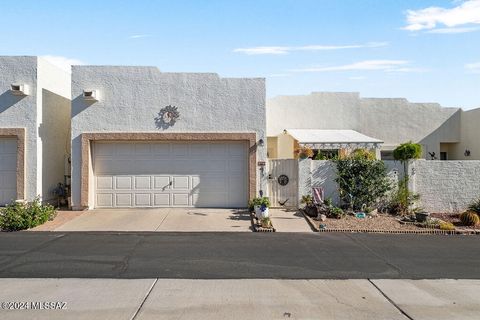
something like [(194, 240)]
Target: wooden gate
[(283, 182)]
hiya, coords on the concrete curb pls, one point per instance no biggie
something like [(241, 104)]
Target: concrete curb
[(314, 227)]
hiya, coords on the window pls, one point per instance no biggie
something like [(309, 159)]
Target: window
[(387, 155)]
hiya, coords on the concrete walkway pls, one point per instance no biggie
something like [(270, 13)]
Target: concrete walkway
[(242, 299), (159, 219), (289, 220)]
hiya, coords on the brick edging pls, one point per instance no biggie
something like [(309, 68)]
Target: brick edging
[(313, 225)]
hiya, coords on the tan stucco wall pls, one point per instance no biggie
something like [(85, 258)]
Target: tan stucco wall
[(272, 147), (285, 146)]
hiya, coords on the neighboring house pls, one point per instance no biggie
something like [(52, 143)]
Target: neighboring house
[(34, 127), (143, 138), (445, 133)]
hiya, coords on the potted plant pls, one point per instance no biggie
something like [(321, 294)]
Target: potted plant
[(260, 206)]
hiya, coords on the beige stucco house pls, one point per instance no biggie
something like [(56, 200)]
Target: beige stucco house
[(444, 133)]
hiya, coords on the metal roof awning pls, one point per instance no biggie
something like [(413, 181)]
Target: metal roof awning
[(333, 139)]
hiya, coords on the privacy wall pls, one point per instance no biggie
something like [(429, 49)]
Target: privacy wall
[(444, 186)]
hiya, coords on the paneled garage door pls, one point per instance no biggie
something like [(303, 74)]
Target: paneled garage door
[(161, 174), (8, 169)]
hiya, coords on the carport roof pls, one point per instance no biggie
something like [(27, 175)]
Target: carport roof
[(333, 139)]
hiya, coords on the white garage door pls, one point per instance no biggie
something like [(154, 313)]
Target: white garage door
[(135, 174), (8, 169)]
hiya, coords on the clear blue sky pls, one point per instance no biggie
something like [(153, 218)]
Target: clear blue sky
[(426, 51)]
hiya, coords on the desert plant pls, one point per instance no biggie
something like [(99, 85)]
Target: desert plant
[(362, 182), (469, 218), (405, 152), (19, 215), (336, 212), (307, 200), (363, 154), (475, 206), (266, 223), (304, 152), (402, 200), (446, 226)]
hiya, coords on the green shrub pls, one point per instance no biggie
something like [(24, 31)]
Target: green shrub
[(401, 201), (320, 156), (336, 212), (363, 154), (361, 182), (407, 151), (469, 218), (475, 206), (20, 216)]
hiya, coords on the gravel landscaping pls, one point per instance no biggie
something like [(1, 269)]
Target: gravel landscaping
[(383, 222)]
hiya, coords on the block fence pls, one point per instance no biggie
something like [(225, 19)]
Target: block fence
[(444, 186)]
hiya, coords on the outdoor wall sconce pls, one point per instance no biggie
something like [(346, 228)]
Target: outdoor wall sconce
[(467, 153), (19, 89), (261, 143), (91, 95), (284, 131)]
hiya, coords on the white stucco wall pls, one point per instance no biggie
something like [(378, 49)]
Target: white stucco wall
[(21, 111), (443, 186), (53, 120), (322, 173), (391, 120), (44, 113), (446, 186), (131, 98)]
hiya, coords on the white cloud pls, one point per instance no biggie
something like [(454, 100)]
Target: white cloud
[(276, 50), (465, 13), (473, 67), (139, 36), (382, 65), (63, 63), (453, 30)]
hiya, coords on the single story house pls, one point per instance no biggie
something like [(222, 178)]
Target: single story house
[(444, 133), (34, 127), (144, 138), (127, 136)]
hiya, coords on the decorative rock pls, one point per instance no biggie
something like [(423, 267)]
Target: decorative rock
[(373, 213), (322, 217)]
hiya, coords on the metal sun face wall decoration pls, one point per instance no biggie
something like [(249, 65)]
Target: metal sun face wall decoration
[(167, 117)]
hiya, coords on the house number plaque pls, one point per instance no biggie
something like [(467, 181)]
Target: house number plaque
[(282, 180)]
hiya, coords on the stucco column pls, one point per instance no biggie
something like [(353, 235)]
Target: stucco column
[(304, 178)]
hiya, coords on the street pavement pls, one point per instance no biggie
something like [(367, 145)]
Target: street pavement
[(237, 255)]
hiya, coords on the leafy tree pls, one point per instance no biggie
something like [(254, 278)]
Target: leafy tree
[(361, 181), (403, 198)]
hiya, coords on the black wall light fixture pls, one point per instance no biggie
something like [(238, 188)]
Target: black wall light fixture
[(467, 153)]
